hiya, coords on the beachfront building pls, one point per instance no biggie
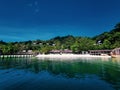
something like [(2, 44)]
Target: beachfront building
[(66, 51), (84, 52), (115, 52), (99, 52), (25, 52), (55, 52), (30, 51)]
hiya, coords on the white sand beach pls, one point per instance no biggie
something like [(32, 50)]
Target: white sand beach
[(69, 56)]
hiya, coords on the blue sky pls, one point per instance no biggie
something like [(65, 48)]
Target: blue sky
[(22, 20)]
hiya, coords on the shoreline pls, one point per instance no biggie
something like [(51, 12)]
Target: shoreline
[(70, 56)]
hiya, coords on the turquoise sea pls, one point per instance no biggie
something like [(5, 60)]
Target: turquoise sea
[(48, 74)]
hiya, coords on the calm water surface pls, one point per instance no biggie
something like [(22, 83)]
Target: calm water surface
[(46, 74)]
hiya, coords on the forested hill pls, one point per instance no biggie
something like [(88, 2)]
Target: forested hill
[(106, 40), (112, 37)]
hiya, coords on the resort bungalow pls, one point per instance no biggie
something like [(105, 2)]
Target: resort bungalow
[(99, 52), (66, 51), (55, 52), (115, 52)]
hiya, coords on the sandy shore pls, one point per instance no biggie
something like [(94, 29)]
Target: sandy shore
[(70, 56)]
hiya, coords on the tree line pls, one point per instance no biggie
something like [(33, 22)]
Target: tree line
[(106, 40)]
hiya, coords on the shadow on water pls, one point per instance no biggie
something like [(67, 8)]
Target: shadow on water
[(85, 74)]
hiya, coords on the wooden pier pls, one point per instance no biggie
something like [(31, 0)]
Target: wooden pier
[(15, 56)]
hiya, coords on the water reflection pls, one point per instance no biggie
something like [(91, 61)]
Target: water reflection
[(101, 72)]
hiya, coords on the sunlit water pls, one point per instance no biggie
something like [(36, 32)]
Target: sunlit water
[(46, 74)]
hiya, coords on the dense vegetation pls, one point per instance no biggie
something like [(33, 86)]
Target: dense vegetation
[(106, 40)]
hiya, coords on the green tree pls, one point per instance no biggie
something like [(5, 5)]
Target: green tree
[(106, 44), (75, 47)]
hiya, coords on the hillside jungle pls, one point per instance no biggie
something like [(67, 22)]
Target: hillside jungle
[(106, 40)]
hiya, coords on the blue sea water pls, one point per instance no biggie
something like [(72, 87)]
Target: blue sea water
[(47, 74)]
